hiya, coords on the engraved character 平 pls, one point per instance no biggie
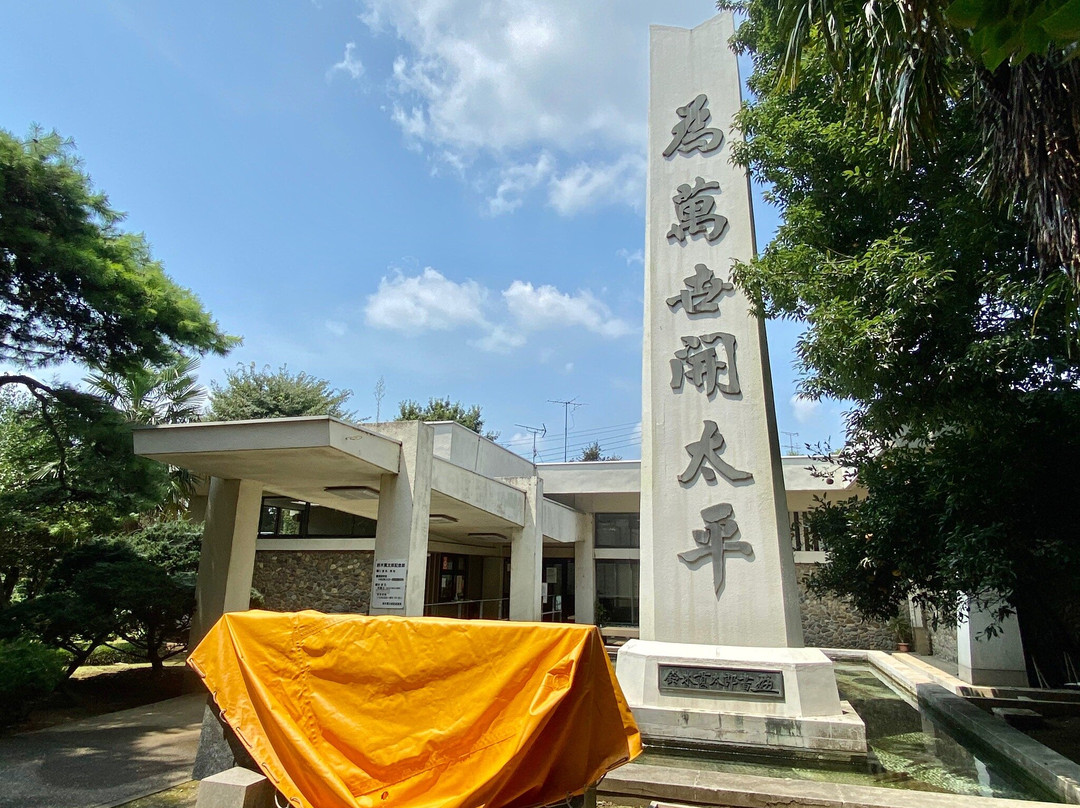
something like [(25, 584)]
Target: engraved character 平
[(695, 208), (701, 292), (691, 133), (717, 540), (697, 362)]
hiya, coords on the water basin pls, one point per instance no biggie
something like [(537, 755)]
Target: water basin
[(908, 750)]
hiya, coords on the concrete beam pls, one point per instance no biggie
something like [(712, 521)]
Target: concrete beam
[(483, 493)]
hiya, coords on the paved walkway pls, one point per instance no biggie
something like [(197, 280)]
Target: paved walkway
[(102, 761)]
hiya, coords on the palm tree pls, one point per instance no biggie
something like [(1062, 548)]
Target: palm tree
[(903, 63), (152, 394)]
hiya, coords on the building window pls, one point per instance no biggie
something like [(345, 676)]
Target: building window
[(618, 530), (283, 517), (801, 537), (617, 591)]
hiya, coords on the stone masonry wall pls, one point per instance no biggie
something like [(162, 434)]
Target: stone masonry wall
[(325, 580), (833, 623), (943, 641)]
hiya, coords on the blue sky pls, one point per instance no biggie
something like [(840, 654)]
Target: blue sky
[(447, 194)]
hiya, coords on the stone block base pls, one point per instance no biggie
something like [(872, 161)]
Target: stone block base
[(760, 700), (839, 737), (235, 788)]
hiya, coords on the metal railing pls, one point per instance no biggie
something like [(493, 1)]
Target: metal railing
[(486, 609)]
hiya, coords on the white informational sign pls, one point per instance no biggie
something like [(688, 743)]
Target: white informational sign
[(388, 585)]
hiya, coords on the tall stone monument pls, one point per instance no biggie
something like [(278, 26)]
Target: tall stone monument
[(721, 634)]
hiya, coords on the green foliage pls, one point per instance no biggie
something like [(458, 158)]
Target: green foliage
[(443, 409), (153, 394), (905, 69), (73, 286), (67, 472), (1015, 29), (103, 589), (249, 393), (926, 307), (593, 452), (29, 671)]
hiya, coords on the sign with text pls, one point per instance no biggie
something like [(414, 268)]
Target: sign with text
[(725, 681), (388, 585)]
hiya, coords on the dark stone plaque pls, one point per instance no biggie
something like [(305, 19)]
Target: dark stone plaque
[(724, 681)]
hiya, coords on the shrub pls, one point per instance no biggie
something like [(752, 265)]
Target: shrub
[(29, 671)]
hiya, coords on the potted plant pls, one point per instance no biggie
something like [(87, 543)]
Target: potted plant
[(901, 628)]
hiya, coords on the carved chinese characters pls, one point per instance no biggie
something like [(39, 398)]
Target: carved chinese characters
[(703, 289), (716, 541), (694, 208), (705, 362)]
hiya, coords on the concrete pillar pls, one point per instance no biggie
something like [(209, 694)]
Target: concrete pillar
[(227, 561), (527, 553), (995, 661), (401, 533), (585, 571)]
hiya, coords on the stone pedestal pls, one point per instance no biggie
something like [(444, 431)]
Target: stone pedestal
[(769, 700)]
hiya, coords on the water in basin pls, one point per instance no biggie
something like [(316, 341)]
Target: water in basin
[(907, 750)]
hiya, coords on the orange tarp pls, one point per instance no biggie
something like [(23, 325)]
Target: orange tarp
[(344, 710)]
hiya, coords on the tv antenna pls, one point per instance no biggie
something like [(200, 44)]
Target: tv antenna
[(534, 431), (566, 405), (791, 441)]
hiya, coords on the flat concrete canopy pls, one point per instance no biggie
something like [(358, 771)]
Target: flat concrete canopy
[(303, 457)]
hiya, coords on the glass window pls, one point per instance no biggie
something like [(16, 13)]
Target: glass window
[(617, 589), (281, 516), (618, 530), (285, 517)]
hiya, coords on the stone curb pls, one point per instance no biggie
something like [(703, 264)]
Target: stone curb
[(1046, 767), (750, 791)]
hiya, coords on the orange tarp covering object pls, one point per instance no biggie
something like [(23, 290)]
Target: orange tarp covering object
[(344, 710)]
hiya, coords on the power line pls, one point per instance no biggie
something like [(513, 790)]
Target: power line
[(576, 433)]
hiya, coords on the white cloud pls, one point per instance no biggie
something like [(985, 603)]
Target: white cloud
[(804, 409), (336, 327), (631, 258), (430, 301), (499, 85), (589, 186), (568, 367), (543, 307), (349, 64), (425, 302), (516, 180)]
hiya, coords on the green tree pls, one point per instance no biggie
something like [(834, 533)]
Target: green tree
[(67, 472), (152, 394), (443, 409), (73, 286), (924, 306), (594, 452), (250, 393), (104, 589), (904, 67)]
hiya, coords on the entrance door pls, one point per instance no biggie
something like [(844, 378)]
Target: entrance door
[(557, 591)]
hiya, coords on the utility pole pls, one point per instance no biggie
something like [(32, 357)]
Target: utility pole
[(566, 405), (791, 441), (534, 431)]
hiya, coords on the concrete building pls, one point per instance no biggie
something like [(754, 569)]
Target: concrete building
[(415, 518)]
